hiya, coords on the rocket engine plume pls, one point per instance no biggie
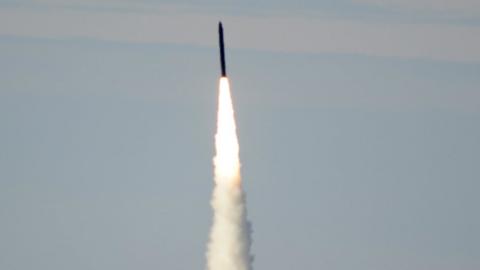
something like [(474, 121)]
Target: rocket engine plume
[(230, 235)]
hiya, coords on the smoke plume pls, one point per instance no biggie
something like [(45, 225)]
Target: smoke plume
[(230, 235)]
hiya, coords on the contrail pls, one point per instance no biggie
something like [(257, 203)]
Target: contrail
[(230, 235)]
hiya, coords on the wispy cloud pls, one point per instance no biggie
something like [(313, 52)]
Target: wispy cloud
[(460, 7), (276, 32)]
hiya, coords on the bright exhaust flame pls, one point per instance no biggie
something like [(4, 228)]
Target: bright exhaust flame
[(229, 246), (226, 161)]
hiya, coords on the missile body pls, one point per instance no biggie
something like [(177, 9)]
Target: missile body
[(222, 50)]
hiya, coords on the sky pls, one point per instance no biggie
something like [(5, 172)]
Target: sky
[(357, 120)]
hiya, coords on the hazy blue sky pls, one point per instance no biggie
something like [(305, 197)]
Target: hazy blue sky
[(358, 123)]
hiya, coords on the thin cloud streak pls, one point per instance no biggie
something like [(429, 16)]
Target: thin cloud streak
[(465, 7), (277, 33)]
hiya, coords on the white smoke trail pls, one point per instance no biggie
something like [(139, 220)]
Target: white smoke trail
[(230, 235)]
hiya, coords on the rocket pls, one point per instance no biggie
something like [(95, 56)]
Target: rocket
[(222, 50)]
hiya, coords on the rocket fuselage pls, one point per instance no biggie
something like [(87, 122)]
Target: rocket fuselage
[(222, 50)]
